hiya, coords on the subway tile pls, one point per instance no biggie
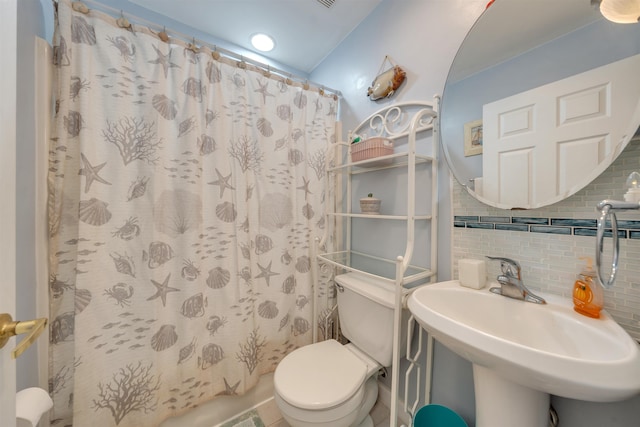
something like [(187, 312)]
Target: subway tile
[(550, 230), (592, 232), (530, 220), (496, 219), (568, 222), (483, 225), (629, 225), (512, 227), (466, 218), (623, 234), (589, 232)]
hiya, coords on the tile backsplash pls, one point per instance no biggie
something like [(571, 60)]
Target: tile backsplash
[(549, 241)]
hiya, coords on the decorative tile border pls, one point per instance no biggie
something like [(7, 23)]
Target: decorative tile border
[(553, 239), (563, 226)]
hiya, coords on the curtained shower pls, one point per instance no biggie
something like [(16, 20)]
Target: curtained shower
[(185, 189)]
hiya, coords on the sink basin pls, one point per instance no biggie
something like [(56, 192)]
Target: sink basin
[(532, 349)]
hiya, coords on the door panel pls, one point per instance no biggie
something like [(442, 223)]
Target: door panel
[(565, 128), (589, 150)]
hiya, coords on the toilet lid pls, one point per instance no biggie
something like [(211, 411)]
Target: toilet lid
[(319, 376)]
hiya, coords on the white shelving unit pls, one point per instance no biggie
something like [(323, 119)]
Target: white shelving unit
[(403, 123)]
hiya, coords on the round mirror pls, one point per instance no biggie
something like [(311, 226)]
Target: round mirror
[(541, 97)]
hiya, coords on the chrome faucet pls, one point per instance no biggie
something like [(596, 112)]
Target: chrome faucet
[(511, 284)]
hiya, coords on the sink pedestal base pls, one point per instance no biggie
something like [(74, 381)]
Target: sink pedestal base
[(501, 402)]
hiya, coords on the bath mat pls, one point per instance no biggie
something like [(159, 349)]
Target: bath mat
[(248, 419)]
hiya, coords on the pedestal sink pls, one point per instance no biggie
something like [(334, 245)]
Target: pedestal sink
[(521, 352)]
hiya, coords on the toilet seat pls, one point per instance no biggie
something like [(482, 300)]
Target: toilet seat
[(342, 415), (321, 376)]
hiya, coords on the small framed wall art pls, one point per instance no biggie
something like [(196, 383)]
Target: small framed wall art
[(473, 138)]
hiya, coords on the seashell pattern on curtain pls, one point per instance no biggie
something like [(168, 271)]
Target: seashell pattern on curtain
[(184, 196)]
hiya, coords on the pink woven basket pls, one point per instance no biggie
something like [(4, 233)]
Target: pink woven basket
[(371, 148)]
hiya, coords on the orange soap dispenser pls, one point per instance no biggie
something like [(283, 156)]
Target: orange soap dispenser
[(588, 297)]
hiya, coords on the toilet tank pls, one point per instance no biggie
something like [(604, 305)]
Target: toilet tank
[(366, 307)]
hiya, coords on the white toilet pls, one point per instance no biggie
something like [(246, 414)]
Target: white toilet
[(334, 385)]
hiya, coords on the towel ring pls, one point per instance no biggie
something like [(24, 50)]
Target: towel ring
[(606, 212), (607, 209)]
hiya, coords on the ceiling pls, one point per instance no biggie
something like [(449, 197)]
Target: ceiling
[(305, 31)]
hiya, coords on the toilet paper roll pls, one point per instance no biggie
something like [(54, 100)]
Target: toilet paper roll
[(31, 404), (472, 273)]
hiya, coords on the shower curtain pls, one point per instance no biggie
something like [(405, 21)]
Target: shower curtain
[(185, 190)]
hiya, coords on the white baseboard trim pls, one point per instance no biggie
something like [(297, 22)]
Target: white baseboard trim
[(384, 396)]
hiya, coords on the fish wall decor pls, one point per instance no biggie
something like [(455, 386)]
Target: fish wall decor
[(386, 82)]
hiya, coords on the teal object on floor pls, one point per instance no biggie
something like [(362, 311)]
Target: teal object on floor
[(437, 416)]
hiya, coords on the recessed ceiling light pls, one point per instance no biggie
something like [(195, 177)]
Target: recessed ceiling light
[(262, 42), (621, 11)]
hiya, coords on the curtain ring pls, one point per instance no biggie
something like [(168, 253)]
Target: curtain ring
[(305, 85), (123, 22), (78, 6), (162, 35), (192, 46), (241, 63), (215, 54), (267, 72)]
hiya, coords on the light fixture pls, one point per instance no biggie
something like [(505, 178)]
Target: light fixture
[(621, 11), (262, 42)]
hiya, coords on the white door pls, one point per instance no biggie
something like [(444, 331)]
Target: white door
[(8, 51), (539, 144)]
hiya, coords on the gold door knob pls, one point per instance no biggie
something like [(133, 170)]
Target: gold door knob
[(10, 328)]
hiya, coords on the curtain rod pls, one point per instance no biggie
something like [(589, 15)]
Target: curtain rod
[(190, 40)]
